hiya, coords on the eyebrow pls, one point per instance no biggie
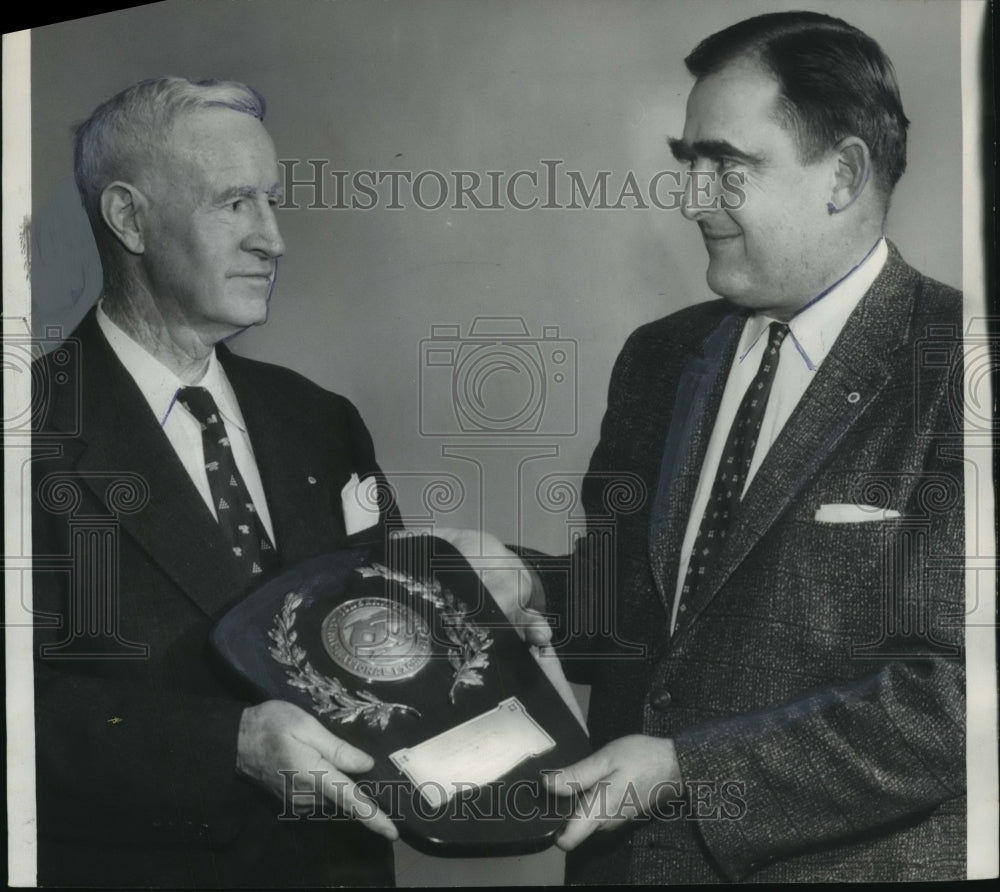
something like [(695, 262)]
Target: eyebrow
[(275, 191), (687, 152)]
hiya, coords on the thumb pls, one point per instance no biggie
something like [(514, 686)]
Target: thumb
[(537, 630), (577, 777)]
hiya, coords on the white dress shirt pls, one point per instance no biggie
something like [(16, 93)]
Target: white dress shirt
[(812, 332), (159, 385)]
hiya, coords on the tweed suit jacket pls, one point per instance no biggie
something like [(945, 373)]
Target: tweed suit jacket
[(814, 688), (136, 726)]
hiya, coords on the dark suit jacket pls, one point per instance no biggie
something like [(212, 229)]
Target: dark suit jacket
[(815, 687), (136, 722)]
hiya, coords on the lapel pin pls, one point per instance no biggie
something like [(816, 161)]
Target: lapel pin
[(311, 479), (853, 397)]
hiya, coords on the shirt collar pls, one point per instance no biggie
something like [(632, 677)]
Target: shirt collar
[(158, 384), (816, 327)]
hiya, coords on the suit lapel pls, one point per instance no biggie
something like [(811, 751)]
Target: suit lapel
[(120, 435), (699, 391), (302, 470), (852, 376)]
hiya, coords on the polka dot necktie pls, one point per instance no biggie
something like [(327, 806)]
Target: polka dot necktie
[(730, 478), (239, 522)]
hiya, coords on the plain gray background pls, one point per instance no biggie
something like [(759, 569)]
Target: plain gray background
[(449, 85)]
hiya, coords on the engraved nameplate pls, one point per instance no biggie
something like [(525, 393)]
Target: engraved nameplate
[(477, 752)]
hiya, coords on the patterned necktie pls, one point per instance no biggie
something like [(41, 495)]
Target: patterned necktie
[(730, 478), (239, 522)]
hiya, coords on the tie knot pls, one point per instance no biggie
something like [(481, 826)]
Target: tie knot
[(198, 401), (776, 333)]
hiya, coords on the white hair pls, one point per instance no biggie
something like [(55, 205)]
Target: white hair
[(126, 130)]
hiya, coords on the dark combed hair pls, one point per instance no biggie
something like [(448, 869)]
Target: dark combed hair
[(835, 81)]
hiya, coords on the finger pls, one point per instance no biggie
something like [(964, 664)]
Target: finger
[(364, 809), (577, 829), (538, 636), (339, 753), (531, 629), (589, 814), (537, 630), (578, 777), (350, 799), (348, 758)]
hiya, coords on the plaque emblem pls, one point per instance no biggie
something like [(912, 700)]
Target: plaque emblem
[(377, 639)]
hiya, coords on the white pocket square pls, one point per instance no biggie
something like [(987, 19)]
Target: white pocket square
[(843, 513), (359, 499)]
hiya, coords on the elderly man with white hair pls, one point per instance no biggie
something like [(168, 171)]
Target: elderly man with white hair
[(211, 472)]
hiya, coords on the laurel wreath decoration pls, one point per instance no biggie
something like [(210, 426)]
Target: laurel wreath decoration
[(329, 695), (467, 655)]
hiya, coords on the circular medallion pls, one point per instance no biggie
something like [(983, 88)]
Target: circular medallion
[(377, 639)]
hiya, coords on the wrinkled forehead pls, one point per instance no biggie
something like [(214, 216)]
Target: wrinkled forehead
[(214, 132), (204, 144)]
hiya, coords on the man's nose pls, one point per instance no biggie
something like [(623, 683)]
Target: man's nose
[(701, 193), (265, 239)]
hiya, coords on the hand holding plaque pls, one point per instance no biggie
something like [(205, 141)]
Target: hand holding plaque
[(290, 753), (401, 651)]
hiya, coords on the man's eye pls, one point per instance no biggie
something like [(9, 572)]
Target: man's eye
[(237, 204)]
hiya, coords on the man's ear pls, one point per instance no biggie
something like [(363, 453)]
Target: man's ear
[(853, 169), (122, 205)]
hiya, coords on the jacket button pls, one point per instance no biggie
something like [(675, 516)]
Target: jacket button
[(660, 701)]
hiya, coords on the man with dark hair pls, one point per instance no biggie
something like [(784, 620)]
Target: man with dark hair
[(171, 477), (832, 80), (783, 698)]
